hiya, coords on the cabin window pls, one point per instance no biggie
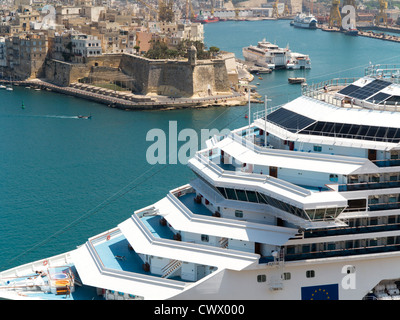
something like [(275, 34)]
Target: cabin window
[(222, 191), (290, 250), (374, 200), (349, 244), (333, 178), (317, 148), (373, 221), (231, 194), (286, 276), (331, 246), (261, 278), (251, 195), (204, 238), (373, 242), (241, 194), (306, 248), (390, 240), (238, 213), (310, 273)]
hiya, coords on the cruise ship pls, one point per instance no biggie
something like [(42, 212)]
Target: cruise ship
[(301, 203), (269, 55), (306, 21)]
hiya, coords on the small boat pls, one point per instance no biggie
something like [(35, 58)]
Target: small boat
[(260, 78), (351, 32), (2, 86), (9, 88), (84, 117), (296, 80)]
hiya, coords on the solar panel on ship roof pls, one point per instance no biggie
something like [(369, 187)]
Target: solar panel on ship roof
[(379, 97), (289, 120), (369, 89), (349, 89), (353, 131)]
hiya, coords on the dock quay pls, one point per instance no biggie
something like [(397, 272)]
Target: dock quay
[(366, 32), (129, 101)]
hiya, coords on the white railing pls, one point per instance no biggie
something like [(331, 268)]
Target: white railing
[(388, 72), (255, 177), (39, 265), (126, 275)]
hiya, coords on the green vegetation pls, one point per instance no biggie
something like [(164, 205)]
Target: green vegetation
[(160, 50)]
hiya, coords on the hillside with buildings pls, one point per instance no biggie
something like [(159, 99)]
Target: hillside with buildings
[(66, 41)]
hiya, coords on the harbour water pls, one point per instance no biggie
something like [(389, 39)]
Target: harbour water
[(64, 179)]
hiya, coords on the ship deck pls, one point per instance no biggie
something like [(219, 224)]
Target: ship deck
[(25, 293)]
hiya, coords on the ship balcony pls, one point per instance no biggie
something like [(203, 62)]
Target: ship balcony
[(114, 252), (341, 252), (383, 206), (387, 163), (189, 199), (368, 186), (245, 183), (109, 261)]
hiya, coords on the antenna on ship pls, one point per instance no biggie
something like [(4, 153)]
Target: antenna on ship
[(265, 120), (248, 91)]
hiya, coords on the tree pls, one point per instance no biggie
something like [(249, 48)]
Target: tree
[(213, 50)]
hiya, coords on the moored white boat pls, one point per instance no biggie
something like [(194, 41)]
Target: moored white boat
[(269, 55)]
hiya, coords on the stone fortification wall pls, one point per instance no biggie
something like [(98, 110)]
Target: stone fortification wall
[(210, 78), (162, 77), (176, 78), (64, 73)]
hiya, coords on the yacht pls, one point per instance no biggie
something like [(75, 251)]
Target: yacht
[(269, 55), (301, 203), (306, 21)]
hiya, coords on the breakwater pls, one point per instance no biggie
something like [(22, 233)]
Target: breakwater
[(128, 101)]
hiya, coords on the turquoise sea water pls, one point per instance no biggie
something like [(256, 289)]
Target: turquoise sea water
[(63, 179)]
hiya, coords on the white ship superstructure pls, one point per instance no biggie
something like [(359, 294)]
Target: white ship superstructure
[(306, 21), (269, 55), (304, 203)]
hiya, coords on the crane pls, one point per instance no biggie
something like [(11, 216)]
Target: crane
[(335, 18), (382, 16), (151, 8), (275, 9), (165, 11), (189, 7)]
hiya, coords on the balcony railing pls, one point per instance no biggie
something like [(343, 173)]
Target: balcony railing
[(342, 252), (368, 186), (384, 206), (387, 163)]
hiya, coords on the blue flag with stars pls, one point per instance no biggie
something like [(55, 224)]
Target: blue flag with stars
[(322, 292)]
